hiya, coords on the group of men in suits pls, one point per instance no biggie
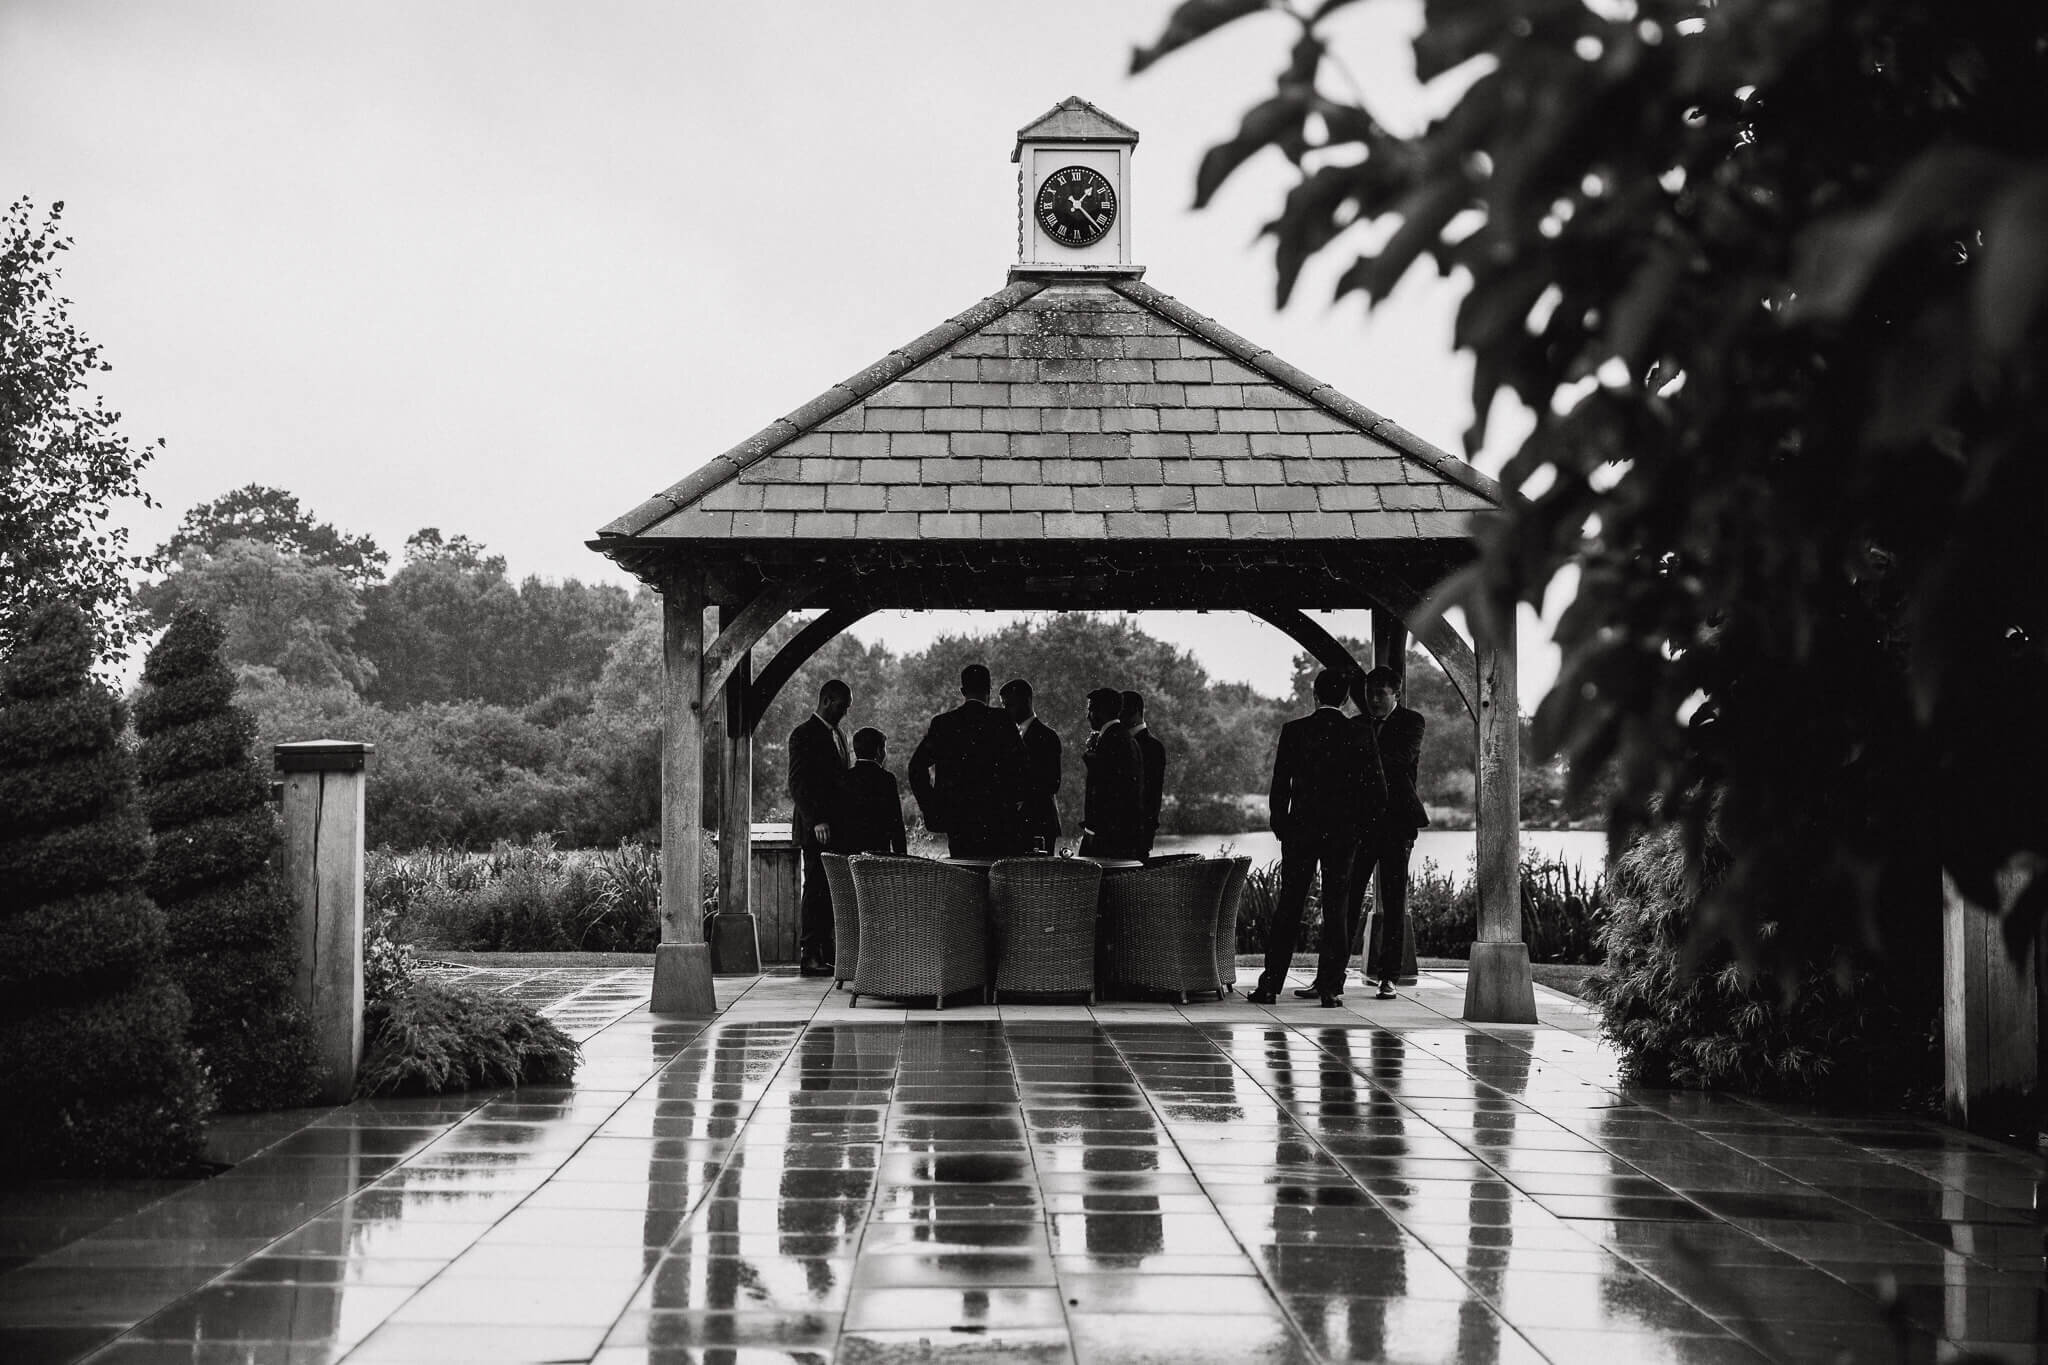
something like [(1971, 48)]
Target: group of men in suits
[(1343, 801), (987, 778)]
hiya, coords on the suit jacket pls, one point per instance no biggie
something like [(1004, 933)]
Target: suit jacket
[(1321, 778), (816, 779), (1152, 759), (1113, 806), (1398, 741), (1042, 756), (870, 812), (968, 772)]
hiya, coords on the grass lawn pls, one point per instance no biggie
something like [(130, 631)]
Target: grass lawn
[(1568, 977)]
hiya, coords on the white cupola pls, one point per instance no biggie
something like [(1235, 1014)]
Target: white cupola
[(1073, 202)]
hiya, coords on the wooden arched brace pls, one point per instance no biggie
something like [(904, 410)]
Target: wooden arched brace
[(749, 624), (1297, 625), (1444, 644), (768, 684), (1450, 649)]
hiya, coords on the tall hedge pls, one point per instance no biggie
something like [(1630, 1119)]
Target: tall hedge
[(95, 1073), (230, 917)]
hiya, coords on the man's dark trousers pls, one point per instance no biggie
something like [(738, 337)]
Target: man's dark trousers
[(814, 911), (1333, 852), (1388, 850)]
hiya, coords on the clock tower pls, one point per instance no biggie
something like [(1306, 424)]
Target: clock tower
[(1073, 214)]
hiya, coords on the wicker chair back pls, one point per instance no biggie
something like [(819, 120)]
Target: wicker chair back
[(845, 915), (1227, 906), (1042, 924), (1160, 923), (923, 927)]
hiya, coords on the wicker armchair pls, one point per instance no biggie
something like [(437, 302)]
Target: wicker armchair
[(923, 927), (1227, 907), (1042, 924), (1160, 923), (845, 919)]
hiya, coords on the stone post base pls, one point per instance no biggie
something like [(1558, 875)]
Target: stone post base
[(682, 981), (736, 947), (1498, 989)]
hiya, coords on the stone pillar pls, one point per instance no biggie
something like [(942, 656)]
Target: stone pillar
[(1990, 1022), (738, 947), (1390, 650), (323, 865), (1498, 987), (682, 961)]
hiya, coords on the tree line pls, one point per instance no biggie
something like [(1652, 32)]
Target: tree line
[(501, 709)]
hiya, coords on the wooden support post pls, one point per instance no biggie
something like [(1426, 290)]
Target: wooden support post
[(737, 949), (682, 961), (1990, 1022), (1498, 988), (1390, 650), (323, 865)]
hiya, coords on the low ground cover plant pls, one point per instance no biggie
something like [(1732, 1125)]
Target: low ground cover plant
[(425, 1038)]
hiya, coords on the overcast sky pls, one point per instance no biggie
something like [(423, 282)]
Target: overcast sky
[(508, 268)]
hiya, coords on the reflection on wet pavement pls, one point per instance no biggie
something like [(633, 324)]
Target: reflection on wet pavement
[(786, 1184)]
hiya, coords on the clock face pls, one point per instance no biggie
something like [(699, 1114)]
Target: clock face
[(1076, 206)]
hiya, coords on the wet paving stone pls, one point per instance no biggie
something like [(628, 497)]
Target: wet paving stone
[(1115, 1187)]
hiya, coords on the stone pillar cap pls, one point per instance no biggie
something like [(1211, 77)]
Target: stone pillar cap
[(323, 756)]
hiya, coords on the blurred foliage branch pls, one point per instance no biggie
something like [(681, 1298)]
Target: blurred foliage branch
[(1770, 278)]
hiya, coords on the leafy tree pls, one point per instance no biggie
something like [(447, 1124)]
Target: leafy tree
[(449, 627), (231, 918), (64, 458), (273, 516), (1770, 278), (94, 1071), (279, 610)]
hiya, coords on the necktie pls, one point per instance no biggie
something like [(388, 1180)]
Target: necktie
[(840, 740)]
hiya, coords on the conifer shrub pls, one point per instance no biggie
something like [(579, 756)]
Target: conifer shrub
[(231, 920), (1683, 1011), (95, 1072), (429, 1038)]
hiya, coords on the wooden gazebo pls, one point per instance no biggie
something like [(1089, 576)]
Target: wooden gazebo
[(1076, 441)]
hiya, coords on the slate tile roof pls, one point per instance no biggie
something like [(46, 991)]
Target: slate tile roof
[(1073, 411)]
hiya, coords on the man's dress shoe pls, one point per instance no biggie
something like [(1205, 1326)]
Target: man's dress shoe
[(1386, 991), (1261, 998), (1307, 992), (812, 966), (1330, 999)]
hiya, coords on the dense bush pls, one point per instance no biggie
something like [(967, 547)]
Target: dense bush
[(530, 897), (230, 917), (95, 1074), (1561, 912), (1684, 1013), (428, 1038)]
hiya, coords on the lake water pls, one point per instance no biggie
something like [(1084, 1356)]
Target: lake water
[(1450, 849)]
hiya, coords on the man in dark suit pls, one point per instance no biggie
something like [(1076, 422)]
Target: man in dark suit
[(817, 781), (968, 773), (1318, 803), (871, 808), (1112, 811), (1389, 837), (1152, 769), (1040, 811)]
